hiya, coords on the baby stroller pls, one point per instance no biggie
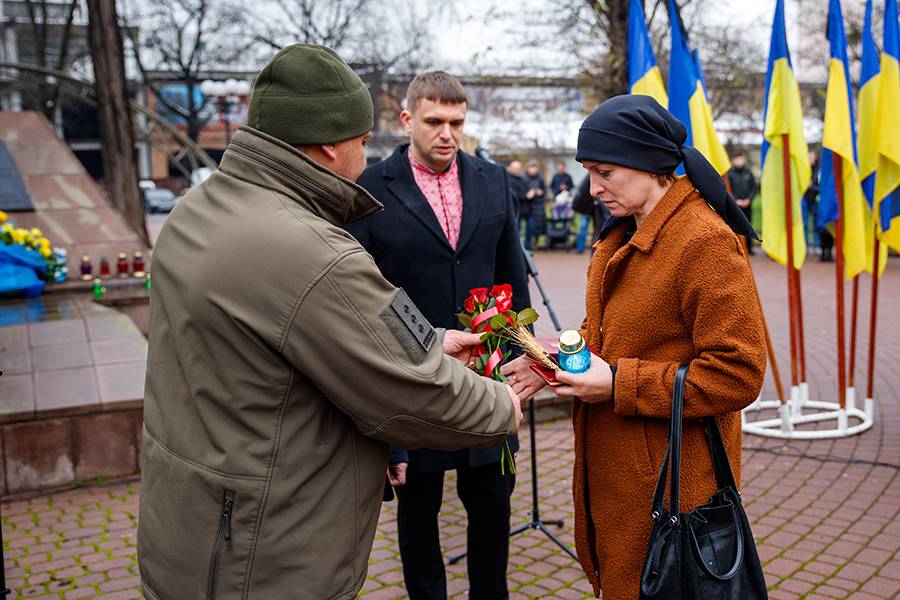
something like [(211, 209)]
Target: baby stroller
[(559, 225)]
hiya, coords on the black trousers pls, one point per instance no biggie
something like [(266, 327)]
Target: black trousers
[(485, 494)]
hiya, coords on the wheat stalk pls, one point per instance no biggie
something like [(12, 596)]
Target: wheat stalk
[(533, 349)]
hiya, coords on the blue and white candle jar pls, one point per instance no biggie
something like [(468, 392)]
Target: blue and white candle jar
[(574, 355)]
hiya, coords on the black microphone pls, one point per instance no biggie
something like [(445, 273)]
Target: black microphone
[(484, 154)]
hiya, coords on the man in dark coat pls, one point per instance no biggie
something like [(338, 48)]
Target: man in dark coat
[(448, 226), (533, 207), (517, 185), (743, 188), (811, 199), (561, 180)]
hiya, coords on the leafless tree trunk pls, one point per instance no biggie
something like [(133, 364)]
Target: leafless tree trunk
[(594, 33), (612, 16), (113, 114)]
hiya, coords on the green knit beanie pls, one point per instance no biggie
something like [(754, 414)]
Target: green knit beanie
[(308, 95)]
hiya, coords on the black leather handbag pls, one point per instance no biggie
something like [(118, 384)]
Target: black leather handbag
[(707, 553)]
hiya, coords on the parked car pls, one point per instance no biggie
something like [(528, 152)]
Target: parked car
[(159, 200)]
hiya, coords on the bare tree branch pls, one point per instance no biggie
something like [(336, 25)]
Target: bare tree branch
[(187, 37)]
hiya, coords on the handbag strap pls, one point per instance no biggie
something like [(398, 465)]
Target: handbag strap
[(738, 545), (673, 451), (721, 465)]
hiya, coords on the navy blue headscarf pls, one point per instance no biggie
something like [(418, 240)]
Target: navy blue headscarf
[(635, 131)]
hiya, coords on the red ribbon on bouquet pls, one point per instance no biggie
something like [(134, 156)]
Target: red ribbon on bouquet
[(492, 362), (486, 316)]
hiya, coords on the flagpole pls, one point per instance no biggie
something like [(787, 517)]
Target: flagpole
[(801, 339), (851, 369), (839, 284), (873, 314), (770, 348), (792, 313)]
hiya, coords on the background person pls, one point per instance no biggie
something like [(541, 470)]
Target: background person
[(821, 236), (743, 189), (561, 181), (517, 185), (448, 226), (667, 285), (592, 212), (535, 212)]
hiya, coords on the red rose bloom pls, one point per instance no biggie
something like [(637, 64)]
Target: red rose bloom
[(480, 295), (502, 291), (469, 304)]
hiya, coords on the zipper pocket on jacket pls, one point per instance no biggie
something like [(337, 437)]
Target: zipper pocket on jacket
[(223, 537)]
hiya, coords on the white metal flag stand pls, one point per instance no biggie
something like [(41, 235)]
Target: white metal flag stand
[(843, 422), (829, 420)]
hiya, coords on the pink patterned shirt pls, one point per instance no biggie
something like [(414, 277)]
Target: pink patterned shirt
[(444, 194)]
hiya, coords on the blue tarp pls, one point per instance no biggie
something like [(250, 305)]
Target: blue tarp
[(19, 270)]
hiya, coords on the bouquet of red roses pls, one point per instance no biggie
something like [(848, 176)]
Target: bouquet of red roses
[(490, 313)]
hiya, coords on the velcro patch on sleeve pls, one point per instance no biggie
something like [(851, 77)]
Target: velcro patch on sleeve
[(412, 330)]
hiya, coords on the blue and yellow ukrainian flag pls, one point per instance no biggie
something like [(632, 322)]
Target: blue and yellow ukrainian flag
[(643, 71), (687, 98), (867, 134), (839, 139), (783, 115), (716, 154), (887, 124)]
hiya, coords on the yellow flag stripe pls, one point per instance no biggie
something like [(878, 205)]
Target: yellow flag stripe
[(651, 84), (703, 131), (867, 132), (867, 154), (888, 143), (838, 138), (784, 116)]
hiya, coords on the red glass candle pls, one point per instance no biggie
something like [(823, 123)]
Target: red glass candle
[(104, 267), (122, 264), (137, 264)]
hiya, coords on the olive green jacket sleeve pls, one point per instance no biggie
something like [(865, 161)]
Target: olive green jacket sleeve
[(346, 338)]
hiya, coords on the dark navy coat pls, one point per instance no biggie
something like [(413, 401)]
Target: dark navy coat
[(410, 248)]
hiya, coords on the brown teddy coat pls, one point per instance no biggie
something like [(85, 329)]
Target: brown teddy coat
[(680, 291)]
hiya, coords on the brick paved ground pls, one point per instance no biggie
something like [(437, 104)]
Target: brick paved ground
[(826, 527)]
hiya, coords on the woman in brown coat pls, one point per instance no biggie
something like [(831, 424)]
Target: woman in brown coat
[(668, 284)]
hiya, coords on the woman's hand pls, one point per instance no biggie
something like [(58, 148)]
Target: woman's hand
[(594, 385), (524, 382)]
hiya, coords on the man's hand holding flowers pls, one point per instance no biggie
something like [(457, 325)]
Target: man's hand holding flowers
[(461, 345)]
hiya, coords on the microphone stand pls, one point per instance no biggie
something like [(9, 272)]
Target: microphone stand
[(536, 522)]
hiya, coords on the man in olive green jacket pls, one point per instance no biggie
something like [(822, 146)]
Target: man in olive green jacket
[(282, 364)]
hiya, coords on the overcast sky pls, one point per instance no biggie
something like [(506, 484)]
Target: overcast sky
[(475, 43)]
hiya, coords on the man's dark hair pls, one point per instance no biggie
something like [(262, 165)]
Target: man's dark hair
[(437, 86)]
